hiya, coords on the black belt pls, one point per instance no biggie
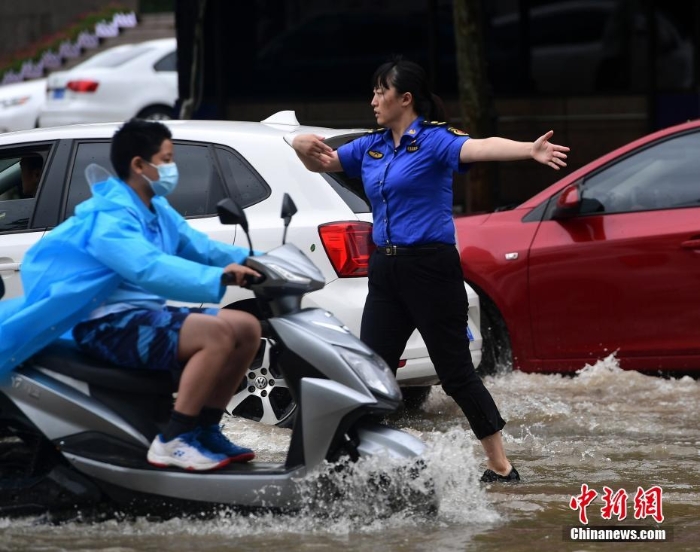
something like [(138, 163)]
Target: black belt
[(426, 249)]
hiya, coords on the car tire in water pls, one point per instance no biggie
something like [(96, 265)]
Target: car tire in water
[(496, 351), (414, 397)]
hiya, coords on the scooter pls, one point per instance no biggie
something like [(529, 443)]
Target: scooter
[(74, 431)]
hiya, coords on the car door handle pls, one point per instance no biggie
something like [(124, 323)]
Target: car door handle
[(691, 244), (9, 266)]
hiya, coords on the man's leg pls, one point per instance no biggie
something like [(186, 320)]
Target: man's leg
[(163, 340), (247, 334), (247, 330), (204, 344)]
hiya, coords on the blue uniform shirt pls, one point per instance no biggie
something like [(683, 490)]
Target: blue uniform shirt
[(410, 186)]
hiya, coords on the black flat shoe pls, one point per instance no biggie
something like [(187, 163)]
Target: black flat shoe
[(491, 476)]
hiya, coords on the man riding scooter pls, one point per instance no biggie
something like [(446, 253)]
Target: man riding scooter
[(106, 272)]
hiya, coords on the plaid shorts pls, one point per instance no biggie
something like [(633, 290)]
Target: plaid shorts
[(137, 338)]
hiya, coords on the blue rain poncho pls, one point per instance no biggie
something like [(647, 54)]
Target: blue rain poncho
[(80, 263)]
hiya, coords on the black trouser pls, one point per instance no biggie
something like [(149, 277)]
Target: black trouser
[(426, 292)]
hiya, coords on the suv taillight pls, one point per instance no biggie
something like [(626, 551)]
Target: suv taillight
[(82, 85), (348, 245)]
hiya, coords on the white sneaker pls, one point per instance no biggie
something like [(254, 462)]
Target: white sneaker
[(186, 452)]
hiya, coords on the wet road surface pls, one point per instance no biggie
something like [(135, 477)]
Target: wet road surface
[(636, 435)]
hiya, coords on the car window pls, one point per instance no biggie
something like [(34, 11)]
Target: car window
[(21, 175), (15, 214), (199, 185), (244, 184), (115, 57), (350, 190), (86, 154), (665, 175), (167, 63)]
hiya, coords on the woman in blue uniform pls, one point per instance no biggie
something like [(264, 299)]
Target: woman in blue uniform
[(415, 276)]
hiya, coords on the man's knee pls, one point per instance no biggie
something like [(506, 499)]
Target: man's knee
[(245, 327)]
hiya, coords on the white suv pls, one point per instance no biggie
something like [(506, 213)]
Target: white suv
[(252, 163)]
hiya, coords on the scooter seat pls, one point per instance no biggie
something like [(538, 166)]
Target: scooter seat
[(65, 358)]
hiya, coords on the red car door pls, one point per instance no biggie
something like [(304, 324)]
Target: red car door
[(623, 282), (625, 277)]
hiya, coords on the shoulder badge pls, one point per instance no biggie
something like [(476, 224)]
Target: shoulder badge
[(433, 123), (375, 154), (456, 131)]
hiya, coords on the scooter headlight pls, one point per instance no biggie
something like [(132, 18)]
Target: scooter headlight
[(373, 371)]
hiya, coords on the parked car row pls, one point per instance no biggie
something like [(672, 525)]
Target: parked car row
[(130, 80), (219, 159)]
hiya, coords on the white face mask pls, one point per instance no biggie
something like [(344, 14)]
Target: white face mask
[(167, 179)]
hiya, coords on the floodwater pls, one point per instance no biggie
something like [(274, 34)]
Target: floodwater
[(603, 428)]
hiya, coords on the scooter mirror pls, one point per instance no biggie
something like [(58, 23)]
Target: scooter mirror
[(289, 209), (231, 213)]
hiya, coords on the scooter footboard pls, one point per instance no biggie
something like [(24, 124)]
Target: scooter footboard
[(377, 439)]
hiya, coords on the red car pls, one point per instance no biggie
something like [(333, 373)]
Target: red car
[(607, 260)]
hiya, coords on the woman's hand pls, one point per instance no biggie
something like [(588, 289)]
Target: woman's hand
[(316, 155), (547, 153)]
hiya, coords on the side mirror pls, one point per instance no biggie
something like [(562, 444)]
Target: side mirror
[(289, 209), (568, 204), (231, 213)]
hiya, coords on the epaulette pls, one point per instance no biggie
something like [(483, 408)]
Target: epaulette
[(375, 131), (450, 129), (457, 131)]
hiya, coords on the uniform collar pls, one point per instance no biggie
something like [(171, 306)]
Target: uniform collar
[(409, 135)]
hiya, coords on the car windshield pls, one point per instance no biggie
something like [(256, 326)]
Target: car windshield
[(115, 57)]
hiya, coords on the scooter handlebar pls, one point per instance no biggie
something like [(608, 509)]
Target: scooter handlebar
[(229, 279)]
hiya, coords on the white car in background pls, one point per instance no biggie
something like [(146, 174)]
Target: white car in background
[(20, 103), (131, 80), (252, 163)]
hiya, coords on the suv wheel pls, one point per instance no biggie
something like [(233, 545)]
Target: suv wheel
[(263, 395)]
